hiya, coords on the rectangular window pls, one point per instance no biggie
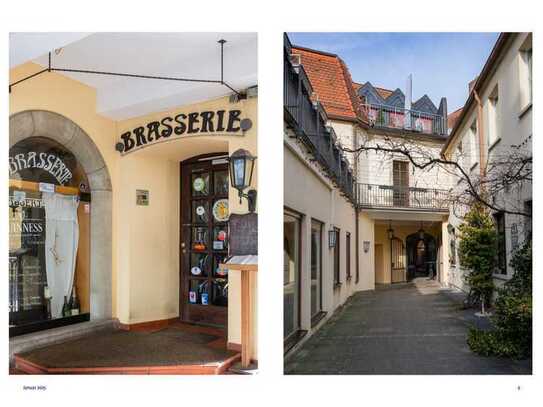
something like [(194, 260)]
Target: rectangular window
[(493, 117), (501, 258), (460, 160), (528, 220), (291, 273), (316, 267), (348, 254), (452, 246), (337, 279), (528, 54), (525, 73), (400, 181), (514, 237), (474, 144)]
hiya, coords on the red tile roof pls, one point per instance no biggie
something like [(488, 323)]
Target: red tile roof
[(332, 82), (453, 117)]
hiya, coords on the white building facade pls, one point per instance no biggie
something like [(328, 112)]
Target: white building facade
[(396, 218)]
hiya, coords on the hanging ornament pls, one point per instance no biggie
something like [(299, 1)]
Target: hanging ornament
[(198, 184), (200, 210)]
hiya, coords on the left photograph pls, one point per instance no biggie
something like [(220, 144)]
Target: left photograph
[(133, 203)]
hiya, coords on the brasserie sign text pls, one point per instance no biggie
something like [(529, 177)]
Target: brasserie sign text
[(195, 123)]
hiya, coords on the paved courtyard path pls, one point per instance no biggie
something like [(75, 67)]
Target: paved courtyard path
[(415, 328)]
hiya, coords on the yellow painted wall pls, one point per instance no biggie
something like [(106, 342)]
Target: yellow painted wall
[(400, 231), (76, 101), (145, 239), (152, 268)]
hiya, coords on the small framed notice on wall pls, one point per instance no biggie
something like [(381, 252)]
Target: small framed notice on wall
[(142, 197)]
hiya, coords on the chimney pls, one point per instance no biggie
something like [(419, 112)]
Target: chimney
[(408, 100), (471, 84), (442, 111)]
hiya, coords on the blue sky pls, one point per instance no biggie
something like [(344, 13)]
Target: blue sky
[(442, 64)]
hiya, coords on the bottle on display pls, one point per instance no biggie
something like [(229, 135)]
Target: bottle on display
[(47, 300), (202, 293), (66, 308), (74, 304)]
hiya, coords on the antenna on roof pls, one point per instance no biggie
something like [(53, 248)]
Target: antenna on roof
[(408, 100)]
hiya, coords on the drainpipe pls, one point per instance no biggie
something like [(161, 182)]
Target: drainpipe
[(356, 209), (481, 128), (356, 213)]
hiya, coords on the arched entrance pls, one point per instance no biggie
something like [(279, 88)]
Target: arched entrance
[(421, 255), (49, 125)]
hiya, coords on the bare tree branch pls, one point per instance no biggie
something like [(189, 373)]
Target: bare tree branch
[(503, 173)]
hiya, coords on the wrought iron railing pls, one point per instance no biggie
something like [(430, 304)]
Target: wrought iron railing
[(308, 120), (390, 196), (412, 120)]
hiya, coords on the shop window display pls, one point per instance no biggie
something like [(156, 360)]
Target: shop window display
[(49, 214)]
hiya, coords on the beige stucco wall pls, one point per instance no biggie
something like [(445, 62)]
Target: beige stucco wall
[(311, 194), (376, 168), (514, 128), (145, 238)]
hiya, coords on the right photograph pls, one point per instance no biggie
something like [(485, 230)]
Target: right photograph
[(407, 239)]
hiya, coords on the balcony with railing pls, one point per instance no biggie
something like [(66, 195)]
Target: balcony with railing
[(383, 116), (308, 120), (372, 196)]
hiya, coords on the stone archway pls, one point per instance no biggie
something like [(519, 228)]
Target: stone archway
[(41, 123), (421, 255)]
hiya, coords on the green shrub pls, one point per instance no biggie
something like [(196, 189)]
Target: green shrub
[(511, 334), (477, 251)]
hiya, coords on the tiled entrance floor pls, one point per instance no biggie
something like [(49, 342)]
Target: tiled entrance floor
[(176, 349)]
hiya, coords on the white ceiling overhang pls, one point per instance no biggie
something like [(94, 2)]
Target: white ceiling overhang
[(180, 55)]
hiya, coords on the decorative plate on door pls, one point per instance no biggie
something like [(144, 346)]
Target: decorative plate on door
[(220, 210)]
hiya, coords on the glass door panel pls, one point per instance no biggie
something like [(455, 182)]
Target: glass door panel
[(291, 229), (205, 245)]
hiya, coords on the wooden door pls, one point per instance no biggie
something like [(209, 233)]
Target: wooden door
[(379, 264), (400, 180), (397, 261), (204, 240)]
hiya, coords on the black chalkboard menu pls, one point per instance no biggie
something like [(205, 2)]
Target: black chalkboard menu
[(243, 234)]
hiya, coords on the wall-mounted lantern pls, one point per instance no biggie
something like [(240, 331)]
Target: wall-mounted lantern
[(421, 231), (390, 231), (242, 163), (366, 246), (332, 238)]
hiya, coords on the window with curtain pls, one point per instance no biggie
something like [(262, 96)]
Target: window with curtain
[(336, 255), (474, 144), (316, 267), (493, 117), (48, 249)]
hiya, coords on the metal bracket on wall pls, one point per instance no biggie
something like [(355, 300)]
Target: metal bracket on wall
[(221, 81)]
